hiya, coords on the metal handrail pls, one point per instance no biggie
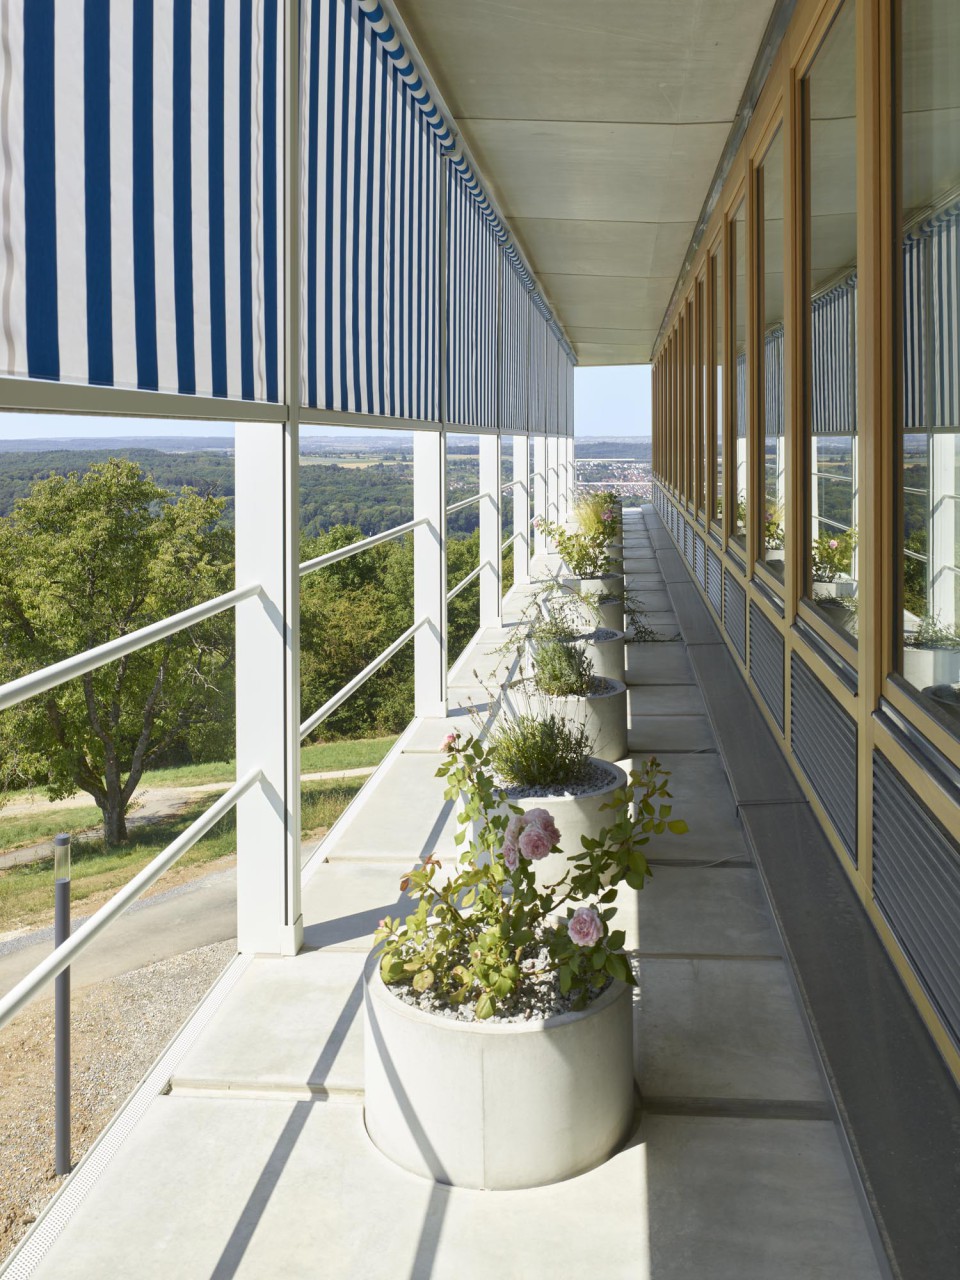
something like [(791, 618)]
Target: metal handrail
[(465, 502), (510, 541), (66, 953), (511, 484), (464, 582), (331, 557), (59, 672), (331, 704)]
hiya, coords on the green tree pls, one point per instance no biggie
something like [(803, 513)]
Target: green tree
[(84, 559)]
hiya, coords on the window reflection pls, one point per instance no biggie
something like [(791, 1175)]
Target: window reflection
[(718, 331), (830, 97), (774, 453), (930, 453), (739, 230)]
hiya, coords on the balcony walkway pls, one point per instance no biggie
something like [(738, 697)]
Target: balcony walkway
[(254, 1162)]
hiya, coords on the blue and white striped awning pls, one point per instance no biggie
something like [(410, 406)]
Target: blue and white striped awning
[(142, 183), (833, 352), (141, 165), (473, 281), (773, 381)]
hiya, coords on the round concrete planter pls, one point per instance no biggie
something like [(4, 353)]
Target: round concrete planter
[(607, 655), (608, 583), (496, 1106), (603, 715)]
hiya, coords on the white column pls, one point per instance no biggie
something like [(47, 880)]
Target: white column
[(539, 490), (944, 529), (553, 479), (266, 463), (491, 533), (521, 508), (430, 573), (569, 474)]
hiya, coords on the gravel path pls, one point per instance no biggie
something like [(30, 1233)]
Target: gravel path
[(119, 1029)]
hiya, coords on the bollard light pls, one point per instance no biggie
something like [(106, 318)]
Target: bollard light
[(61, 857)]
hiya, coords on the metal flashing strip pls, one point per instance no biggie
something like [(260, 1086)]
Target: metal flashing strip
[(30, 1252)]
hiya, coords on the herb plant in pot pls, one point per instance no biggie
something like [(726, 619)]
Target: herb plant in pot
[(538, 757), (587, 556), (498, 1019), (566, 682), (931, 654)]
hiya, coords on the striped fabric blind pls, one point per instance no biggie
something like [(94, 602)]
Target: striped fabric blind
[(473, 258), (741, 372), (915, 251), (833, 356), (945, 283), (773, 382), (514, 339), (537, 373), (141, 163), (371, 226)]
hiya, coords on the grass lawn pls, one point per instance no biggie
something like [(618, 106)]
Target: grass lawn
[(350, 754), (26, 829), (26, 893)]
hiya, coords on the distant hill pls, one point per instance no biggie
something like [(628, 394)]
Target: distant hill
[(626, 448)]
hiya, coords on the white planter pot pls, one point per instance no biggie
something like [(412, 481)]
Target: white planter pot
[(843, 588), (927, 667), (603, 715), (608, 656), (609, 582), (497, 1106)]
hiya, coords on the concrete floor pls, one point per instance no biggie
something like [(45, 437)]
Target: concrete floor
[(256, 1162)]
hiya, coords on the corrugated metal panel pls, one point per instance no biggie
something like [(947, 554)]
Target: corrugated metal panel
[(824, 741), (715, 581), (735, 613), (766, 661), (699, 560), (916, 883), (687, 543)]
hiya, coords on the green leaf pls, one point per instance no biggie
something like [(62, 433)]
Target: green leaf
[(678, 826), (486, 1006), (423, 980)]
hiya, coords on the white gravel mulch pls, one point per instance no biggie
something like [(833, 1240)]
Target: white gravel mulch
[(118, 1030)]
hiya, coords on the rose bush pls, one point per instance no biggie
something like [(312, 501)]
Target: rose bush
[(471, 937)]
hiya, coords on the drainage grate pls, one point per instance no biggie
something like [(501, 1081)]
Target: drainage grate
[(824, 740), (916, 883), (766, 661), (735, 613)]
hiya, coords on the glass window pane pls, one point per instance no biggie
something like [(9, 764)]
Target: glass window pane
[(771, 527), (830, 97), (702, 393), (718, 331), (929, 541), (739, 230)]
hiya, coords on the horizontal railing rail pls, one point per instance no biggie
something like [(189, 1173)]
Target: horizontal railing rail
[(361, 678), (81, 938), (465, 582), (510, 541), (331, 557), (510, 484), (465, 502), (82, 663)]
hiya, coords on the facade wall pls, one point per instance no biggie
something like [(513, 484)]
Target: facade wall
[(807, 427)]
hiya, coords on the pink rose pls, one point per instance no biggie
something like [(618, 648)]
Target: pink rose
[(534, 843), (833, 544), (514, 827), (449, 743), (544, 820), (585, 927), (511, 857)]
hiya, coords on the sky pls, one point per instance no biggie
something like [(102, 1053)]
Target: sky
[(608, 401)]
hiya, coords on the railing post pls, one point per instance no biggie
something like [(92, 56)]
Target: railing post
[(491, 532), (568, 447), (61, 1052), (521, 508), (539, 490), (430, 573), (269, 920)]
